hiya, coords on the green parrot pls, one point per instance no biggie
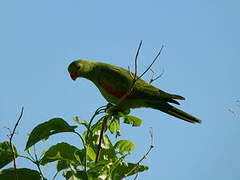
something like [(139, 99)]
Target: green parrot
[(113, 82)]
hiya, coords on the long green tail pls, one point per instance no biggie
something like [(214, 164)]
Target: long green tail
[(167, 108)]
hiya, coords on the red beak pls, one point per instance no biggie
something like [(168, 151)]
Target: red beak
[(74, 76)]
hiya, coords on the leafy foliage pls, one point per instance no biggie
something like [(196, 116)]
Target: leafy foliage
[(79, 175), (124, 168), (79, 163), (6, 153)]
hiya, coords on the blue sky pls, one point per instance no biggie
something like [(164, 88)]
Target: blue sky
[(39, 39)]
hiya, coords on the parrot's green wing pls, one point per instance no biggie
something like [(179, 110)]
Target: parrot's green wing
[(116, 81)]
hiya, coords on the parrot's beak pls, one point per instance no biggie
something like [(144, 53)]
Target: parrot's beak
[(74, 76)]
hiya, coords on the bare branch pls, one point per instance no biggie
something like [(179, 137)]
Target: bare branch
[(130, 72), (136, 58), (11, 145), (135, 177), (152, 73), (154, 79), (159, 53), (136, 78), (144, 157)]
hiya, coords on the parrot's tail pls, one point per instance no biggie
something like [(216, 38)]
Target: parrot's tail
[(167, 108)]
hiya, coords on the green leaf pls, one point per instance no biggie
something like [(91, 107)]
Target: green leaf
[(107, 149), (107, 154), (100, 168), (90, 153), (124, 168), (6, 153), (124, 146), (134, 121), (46, 129), (62, 164), (60, 151), (80, 156), (79, 175), (114, 126), (22, 174)]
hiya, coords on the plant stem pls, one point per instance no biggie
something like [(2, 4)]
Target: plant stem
[(101, 137), (11, 145)]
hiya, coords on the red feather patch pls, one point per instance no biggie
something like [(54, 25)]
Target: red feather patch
[(117, 94)]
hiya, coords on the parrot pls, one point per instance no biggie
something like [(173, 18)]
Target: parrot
[(113, 82)]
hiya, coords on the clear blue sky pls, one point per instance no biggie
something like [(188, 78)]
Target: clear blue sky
[(38, 40)]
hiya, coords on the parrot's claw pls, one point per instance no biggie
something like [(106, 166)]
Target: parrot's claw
[(113, 110)]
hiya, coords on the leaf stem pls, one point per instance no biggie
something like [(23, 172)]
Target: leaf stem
[(84, 144), (22, 156)]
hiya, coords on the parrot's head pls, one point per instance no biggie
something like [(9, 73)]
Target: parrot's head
[(78, 68)]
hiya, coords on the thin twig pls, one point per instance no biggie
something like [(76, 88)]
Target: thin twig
[(29, 153), (22, 156), (135, 177), (144, 157), (136, 60), (85, 147), (130, 72), (135, 77), (11, 145), (35, 152), (154, 79), (159, 53), (55, 175)]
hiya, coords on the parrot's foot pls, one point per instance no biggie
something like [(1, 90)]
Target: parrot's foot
[(113, 110)]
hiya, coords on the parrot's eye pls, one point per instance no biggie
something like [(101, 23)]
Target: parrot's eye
[(78, 67)]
